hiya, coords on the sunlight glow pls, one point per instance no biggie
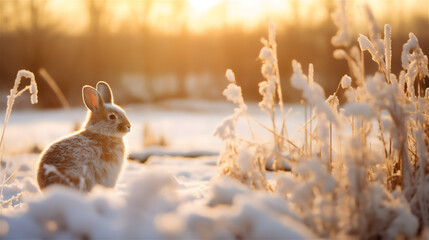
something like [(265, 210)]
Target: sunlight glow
[(200, 6), (196, 16)]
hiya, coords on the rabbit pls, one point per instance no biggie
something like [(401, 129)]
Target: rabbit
[(93, 155)]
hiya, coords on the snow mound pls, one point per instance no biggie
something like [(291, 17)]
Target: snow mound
[(151, 208)]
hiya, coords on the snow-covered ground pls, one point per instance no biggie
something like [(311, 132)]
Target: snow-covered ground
[(167, 197), (186, 124)]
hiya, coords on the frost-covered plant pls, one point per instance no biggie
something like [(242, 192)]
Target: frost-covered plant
[(15, 93), (241, 159), (343, 39), (399, 100), (245, 159), (415, 65), (269, 90), (226, 131), (315, 95), (378, 187), (312, 193), (392, 103), (343, 36)]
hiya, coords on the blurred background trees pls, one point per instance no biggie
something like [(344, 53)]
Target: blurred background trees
[(152, 50)]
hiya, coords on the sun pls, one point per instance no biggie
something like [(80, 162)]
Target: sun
[(202, 6)]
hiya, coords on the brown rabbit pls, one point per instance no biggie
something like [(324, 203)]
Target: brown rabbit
[(93, 155)]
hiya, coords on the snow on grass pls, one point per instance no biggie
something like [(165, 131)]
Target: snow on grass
[(358, 192)]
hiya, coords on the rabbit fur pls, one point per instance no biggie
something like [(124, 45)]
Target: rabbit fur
[(93, 155)]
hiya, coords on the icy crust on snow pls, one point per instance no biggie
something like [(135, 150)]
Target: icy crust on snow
[(151, 207)]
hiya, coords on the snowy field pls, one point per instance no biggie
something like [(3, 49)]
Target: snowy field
[(167, 197), (358, 170)]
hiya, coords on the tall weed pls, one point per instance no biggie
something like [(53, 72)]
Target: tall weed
[(378, 188), (15, 92)]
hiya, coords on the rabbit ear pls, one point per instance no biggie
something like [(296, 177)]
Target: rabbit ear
[(92, 99), (106, 93)]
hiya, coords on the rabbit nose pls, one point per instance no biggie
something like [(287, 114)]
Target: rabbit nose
[(124, 127)]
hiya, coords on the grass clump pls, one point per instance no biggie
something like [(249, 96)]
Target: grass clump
[(378, 187)]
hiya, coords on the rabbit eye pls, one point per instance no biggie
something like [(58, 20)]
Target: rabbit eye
[(112, 116)]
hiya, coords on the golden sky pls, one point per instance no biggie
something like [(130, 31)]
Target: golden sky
[(200, 15)]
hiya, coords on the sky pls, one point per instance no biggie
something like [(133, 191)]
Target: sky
[(200, 16)]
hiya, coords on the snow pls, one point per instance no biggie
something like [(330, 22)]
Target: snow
[(233, 93), (156, 201), (366, 45), (267, 90), (340, 54), (170, 196), (267, 70), (227, 128), (230, 75), (358, 109), (148, 152), (346, 81), (343, 36), (267, 55), (403, 223), (412, 43), (313, 93), (32, 87), (245, 159)]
